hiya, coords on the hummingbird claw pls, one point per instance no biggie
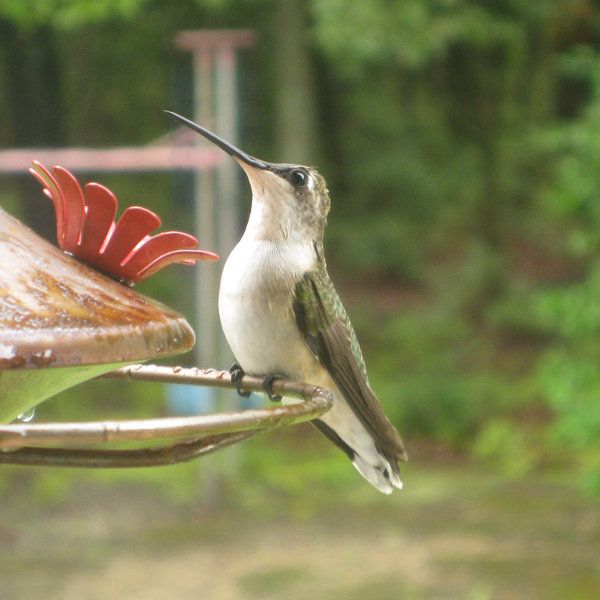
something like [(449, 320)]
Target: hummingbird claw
[(267, 384), (237, 373)]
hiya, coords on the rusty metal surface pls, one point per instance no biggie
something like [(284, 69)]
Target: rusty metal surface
[(91, 458), (20, 443), (57, 312)]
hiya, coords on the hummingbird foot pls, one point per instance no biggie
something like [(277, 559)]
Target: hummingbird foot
[(267, 384), (237, 373)]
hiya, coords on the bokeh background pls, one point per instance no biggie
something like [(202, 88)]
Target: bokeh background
[(461, 143)]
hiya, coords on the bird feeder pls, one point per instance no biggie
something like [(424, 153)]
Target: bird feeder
[(63, 322)]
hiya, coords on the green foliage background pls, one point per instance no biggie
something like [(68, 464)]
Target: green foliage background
[(461, 141)]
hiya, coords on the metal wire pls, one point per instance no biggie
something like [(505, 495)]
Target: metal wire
[(20, 442)]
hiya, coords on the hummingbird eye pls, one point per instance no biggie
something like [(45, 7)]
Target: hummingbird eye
[(298, 178)]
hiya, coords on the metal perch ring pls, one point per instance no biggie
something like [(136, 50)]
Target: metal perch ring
[(24, 444)]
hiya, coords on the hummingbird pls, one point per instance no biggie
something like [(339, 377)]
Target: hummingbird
[(282, 316)]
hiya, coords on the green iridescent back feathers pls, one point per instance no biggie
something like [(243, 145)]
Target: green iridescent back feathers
[(317, 306)]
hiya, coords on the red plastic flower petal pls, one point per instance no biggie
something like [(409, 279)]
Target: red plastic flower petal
[(85, 228)]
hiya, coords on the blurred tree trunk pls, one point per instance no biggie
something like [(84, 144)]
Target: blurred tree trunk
[(32, 93), (488, 140), (295, 94)]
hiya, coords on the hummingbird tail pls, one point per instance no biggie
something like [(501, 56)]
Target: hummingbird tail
[(381, 476)]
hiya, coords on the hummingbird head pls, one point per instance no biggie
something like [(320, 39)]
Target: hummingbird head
[(289, 202)]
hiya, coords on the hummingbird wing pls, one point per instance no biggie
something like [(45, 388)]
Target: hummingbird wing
[(327, 329)]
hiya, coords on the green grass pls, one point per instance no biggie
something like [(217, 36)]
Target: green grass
[(286, 515), (453, 532)]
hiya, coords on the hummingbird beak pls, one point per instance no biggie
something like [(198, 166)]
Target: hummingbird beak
[(239, 155)]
